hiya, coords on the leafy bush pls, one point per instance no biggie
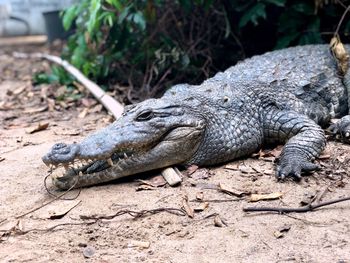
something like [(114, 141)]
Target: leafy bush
[(148, 45)]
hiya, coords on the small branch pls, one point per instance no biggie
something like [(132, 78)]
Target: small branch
[(136, 214), (47, 203), (303, 209), (341, 21)]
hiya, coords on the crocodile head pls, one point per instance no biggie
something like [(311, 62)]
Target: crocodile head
[(150, 135)]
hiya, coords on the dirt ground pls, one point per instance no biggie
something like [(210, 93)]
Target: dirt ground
[(219, 231)]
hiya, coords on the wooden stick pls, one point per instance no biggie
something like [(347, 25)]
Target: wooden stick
[(303, 209), (114, 107)]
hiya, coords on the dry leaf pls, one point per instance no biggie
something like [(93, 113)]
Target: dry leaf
[(139, 244), (200, 174), (278, 234), (71, 132), (83, 113), (233, 167), (156, 181), (189, 210), (340, 54), (259, 197), (19, 90), (201, 207), (144, 187), (88, 102), (284, 228), (57, 210), (5, 105), (60, 210), (229, 190), (36, 110), (200, 196), (262, 154), (39, 127), (218, 222), (191, 169)]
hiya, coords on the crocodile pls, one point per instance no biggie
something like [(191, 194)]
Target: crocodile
[(286, 96)]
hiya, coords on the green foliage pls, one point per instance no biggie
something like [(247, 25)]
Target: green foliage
[(152, 44), (58, 75)]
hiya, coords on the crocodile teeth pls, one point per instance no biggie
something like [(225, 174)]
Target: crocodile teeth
[(125, 155), (347, 134), (80, 173), (109, 161)]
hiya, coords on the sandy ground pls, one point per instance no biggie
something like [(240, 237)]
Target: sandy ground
[(221, 232)]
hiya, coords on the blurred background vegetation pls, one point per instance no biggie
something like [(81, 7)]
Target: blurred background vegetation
[(140, 48)]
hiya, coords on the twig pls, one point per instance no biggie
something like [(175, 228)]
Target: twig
[(47, 203), (23, 232), (336, 33), (217, 200), (303, 209), (137, 214)]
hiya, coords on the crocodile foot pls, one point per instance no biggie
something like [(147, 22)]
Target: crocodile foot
[(294, 168), (341, 129)]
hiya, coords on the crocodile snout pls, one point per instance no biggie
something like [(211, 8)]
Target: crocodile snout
[(61, 153)]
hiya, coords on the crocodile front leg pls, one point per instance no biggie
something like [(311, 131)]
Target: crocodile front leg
[(342, 129), (305, 141)]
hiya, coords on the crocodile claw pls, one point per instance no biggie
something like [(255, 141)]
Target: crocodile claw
[(294, 168), (341, 129)]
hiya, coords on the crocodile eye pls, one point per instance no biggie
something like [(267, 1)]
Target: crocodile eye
[(145, 116)]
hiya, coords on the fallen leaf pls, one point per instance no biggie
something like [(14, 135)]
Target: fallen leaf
[(278, 234), (201, 207), (19, 90), (191, 169), (200, 174), (156, 181), (59, 211), (246, 169), (340, 54), (88, 102), (218, 222), (144, 187), (4, 105), (39, 127), (189, 210), (259, 197), (200, 196), (229, 190), (269, 153), (284, 228), (308, 197), (96, 109), (88, 251), (70, 132), (139, 244), (36, 110), (234, 167), (83, 113)]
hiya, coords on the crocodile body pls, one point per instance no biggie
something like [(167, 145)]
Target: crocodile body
[(283, 96)]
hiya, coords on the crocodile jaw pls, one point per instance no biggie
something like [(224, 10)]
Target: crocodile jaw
[(90, 170)]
